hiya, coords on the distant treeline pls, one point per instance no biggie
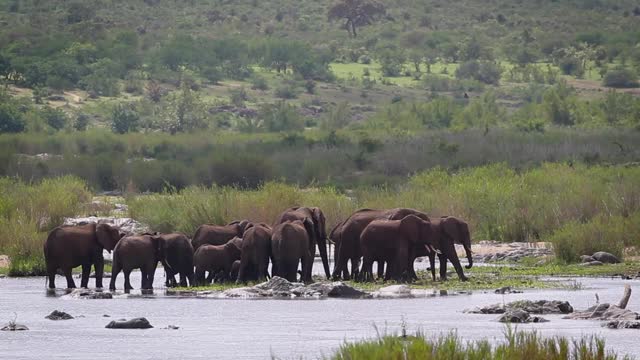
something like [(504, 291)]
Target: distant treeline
[(347, 159)]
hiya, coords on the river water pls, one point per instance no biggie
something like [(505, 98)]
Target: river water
[(262, 329)]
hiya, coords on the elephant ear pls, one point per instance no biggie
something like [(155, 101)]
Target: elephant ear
[(410, 226), (107, 236), (452, 228)]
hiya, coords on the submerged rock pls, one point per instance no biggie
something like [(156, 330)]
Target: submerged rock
[(88, 294), (622, 324), (14, 327), (137, 323), (172, 327), (507, 290), (519, 316), (532, 307), (58, 315), (394, 291)]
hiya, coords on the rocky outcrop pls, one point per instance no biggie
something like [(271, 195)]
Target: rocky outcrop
[(605, 257), (126, 225), (279, 287), (532, 307), (58, 315), (393, 291), (137, 323), (88, 294), (519, 316), (604, 312)]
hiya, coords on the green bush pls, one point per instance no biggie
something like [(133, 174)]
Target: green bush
[(602, 233), (124, 118), (487, 72), (28, 212), (620, 78)]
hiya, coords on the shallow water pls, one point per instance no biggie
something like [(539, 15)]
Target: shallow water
[(259, 329)]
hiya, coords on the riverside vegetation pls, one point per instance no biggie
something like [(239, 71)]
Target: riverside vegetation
[(580, 209)]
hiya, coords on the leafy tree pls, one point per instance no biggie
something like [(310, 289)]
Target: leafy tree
[(11, 120), (56, 118), (391, 61), (281, 117), (558, 104), (484, 71), (357, 13), (125, 118), (82, 122), (184, 111), (620, 78), (102, 81)]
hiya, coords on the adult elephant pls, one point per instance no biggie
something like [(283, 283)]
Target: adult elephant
[(67, 247), (214, 259), (317, 233), (218, 234), (347, 238), (179, 257), (138, 252), (290, 245), (448, 231), (256, 251), (394, 242)]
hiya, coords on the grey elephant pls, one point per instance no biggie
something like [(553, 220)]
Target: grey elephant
[(290, 247), (393, 242), (216, 260), (317, 233), (179, 257), (256, 252), (218, 234), (138, 252), (67, 247)]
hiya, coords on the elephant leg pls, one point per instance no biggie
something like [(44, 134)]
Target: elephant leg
[(115, 270), (143, 278), (432, 264), (86, 271), (199, 277), (456, 264), (307, 264), (367, 268), (70, 283), (183, 279), (380, 269), (151, 273), (51, 272), (355, 267), (443, 267), (127, 283), (98, 266), (211, 276)]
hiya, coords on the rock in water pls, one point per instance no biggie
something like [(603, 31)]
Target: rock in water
[(605, 257), (605, 312), (58, 315), (618, 324), (533, 307), (137, 323), (519, 316), (89, 294), (394, 291), (14, 327), (507, 290)]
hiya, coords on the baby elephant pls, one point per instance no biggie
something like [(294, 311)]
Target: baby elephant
[(216, 259), (137, 252)]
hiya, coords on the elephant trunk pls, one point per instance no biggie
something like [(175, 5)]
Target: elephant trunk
[(467, 249), (322, 247)]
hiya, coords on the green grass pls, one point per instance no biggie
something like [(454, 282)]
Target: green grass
[(553, 269), (517, 345)]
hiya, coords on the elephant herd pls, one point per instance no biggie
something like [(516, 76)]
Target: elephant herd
[(241, 250)]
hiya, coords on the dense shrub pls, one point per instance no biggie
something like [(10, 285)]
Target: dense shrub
[(602, 233), (620, 78), (28, 212), (484, 71)]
